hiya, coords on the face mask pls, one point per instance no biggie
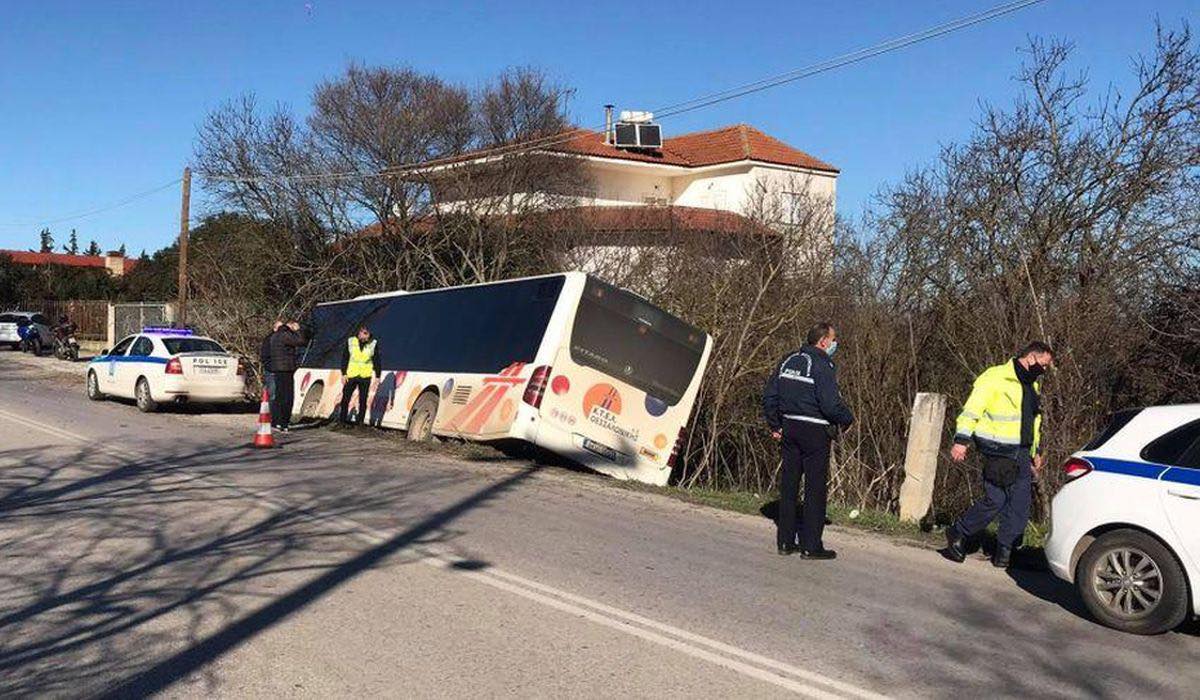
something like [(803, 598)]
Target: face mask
[(1036, 370), (831, 349)]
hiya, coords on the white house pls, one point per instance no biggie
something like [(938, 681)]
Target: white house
[(722, 181)]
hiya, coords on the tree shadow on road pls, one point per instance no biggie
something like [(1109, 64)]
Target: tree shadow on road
[(123, 576)]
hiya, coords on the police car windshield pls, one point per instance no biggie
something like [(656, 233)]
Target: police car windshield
[(628, 338), (178, 345)]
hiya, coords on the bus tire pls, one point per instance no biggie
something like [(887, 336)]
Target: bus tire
[(422, 417), (312, 401)]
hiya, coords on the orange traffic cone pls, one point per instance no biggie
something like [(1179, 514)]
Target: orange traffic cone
[(263, 437)]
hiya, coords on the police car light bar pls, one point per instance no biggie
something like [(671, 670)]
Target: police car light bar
[(167, 330)]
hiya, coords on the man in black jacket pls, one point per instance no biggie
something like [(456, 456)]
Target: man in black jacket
[(283, 345), (805, 411), (264, 361)]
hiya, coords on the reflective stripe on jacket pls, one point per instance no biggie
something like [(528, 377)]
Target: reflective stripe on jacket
[(992, 413), (362, 359)]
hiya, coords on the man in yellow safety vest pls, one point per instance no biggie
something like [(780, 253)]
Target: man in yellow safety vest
[(360, 363), (1003, 418)]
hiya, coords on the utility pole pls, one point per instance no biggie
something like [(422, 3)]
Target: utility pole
[(184, 215)]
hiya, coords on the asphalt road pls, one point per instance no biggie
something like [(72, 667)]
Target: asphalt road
[(158, 554)]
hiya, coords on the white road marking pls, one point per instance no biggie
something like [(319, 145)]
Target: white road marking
[(727, 656)]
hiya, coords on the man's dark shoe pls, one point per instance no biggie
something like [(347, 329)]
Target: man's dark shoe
[(818, 554), (1001, 557), (955, 547), (787, 549)]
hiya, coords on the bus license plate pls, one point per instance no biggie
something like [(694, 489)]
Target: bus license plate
[(603, 450)]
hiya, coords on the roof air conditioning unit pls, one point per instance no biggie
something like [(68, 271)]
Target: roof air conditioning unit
[(637, 130)]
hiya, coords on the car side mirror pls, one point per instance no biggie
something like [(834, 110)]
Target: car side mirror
[(104, 352)]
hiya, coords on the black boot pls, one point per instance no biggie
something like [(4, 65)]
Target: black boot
[(818, 554), (955, 547), (1001, 557)]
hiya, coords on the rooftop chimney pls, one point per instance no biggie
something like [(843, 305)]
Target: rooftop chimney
[(608, 124)]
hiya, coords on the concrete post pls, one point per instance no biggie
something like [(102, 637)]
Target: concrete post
[(920, 458), (112, 326)]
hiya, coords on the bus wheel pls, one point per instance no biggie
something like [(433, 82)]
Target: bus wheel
[(420, 421), (312, 401)]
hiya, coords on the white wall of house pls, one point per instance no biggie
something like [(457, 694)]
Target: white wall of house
[(728, 188), (625, 186), (731, 187), (723, 188)]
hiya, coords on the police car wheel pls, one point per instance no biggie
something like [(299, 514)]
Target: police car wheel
[(145, 402), (1131, 582), (93, 387), (420, 421)]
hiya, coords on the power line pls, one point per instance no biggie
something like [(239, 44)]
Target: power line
[(675, 109), (99, 210)]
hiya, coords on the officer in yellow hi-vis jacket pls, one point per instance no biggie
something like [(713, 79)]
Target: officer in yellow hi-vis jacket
[(1003, 419), (360, 363)]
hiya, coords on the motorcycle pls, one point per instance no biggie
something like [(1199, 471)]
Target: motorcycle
[(66, 348), (31, 340)]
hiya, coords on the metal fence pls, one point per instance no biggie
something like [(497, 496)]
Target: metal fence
[(131, 317), (91, 315)]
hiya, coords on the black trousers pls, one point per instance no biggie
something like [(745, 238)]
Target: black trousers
[(805, 453), (363, 385), (281, 402)]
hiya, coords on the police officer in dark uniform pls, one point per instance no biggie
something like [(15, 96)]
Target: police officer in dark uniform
[(805, 411)]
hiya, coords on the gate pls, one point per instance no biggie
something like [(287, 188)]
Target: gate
[(129, 318)]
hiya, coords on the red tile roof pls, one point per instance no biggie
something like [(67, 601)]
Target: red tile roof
[(726, 145), (643, 219), (25, 257), (618, 219)]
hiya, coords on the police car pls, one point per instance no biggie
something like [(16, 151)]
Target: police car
[(161, 365), (1125, 528)]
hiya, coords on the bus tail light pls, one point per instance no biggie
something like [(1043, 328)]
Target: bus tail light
[(536, 388), (678, 448), (174, 366), (1075, 467), (241, 370)]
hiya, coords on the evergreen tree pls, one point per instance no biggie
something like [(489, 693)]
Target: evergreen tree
[(47, 241), (93, 248), (121, 250), (72, 245)]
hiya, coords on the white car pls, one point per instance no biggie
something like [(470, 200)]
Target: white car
[(1125, 528), (12, 323), (161, 365)]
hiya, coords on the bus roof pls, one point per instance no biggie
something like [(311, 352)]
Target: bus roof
[(401, 292)]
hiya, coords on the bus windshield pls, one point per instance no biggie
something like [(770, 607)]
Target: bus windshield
[(628, 338)]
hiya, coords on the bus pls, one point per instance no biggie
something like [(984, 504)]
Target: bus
[(567, 362)]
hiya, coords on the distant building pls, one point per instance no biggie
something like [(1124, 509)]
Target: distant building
[(643, 190), (116, 264)]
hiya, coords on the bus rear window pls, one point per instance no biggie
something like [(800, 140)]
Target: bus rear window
[(629, 339)]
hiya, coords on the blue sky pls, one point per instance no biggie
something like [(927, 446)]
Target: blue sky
[(100, 100)]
